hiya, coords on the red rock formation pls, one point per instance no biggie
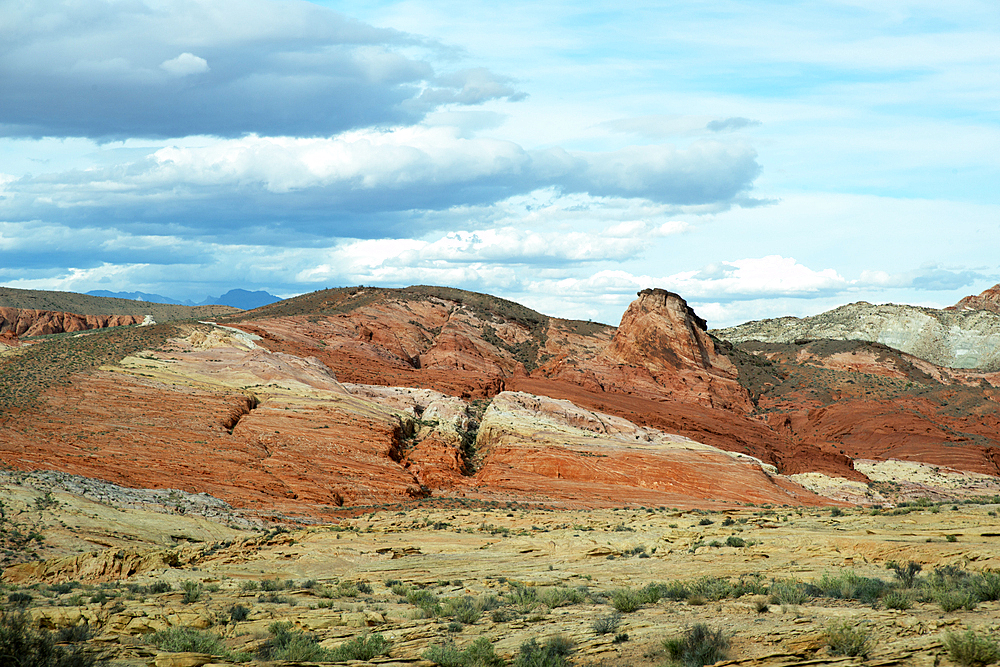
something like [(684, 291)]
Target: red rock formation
[(799, 407), (987, 300), (9, 338), (24, 322)]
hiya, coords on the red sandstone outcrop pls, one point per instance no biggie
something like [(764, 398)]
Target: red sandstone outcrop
[(366, 400), (987, 300), (24, 322)]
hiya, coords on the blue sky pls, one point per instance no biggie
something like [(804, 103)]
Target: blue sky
[(761, 159)]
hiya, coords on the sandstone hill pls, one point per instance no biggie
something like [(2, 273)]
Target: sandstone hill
[(962, 338), (362, 396)]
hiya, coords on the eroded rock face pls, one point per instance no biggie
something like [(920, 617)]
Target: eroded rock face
[(542, 447), (24, 322), (662, 334), (987, 300), (951, 338)]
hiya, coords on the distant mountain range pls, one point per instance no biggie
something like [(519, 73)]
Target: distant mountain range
[(235, 298)]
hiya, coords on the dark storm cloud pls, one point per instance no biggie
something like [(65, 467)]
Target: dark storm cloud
[(114, 70)]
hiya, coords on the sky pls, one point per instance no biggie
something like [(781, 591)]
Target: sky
[(761, 159)]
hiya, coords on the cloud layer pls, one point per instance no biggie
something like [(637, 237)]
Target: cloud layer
[(114, 70), (364, 184)]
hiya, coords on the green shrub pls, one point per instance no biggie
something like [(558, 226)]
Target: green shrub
[(552, 654), (605, 625), (179, 640), (971, 650), (848, 585), (238, 613), (560, 596), (74, 634), (364, 648), (523, 598), (987, 586), (953, 600), (905, 572), (192, 591), (699, 645), (23, 646), (846, 638), (292, 645), (463, 609), (897, 600), (626, 600), (21, 599), (735, 541), (478, 654), (788, 592)]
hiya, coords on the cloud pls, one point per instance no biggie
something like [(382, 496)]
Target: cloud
[(325, 186), (113, 70), (184, 64), (730, 124), (927, 278), (673, 125)]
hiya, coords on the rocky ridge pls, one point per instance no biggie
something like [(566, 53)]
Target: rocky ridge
[(360, 397), (21, 322), (988, 299), (967, 339)]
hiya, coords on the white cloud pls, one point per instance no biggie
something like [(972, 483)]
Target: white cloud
[(185, 64)]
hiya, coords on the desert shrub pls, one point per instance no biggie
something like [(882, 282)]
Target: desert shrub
[(502, 616), (674, 590), (848, 585), (62, 589), (728, 521), (846, 638), (23, 646), (248, 586), (552, 654), (177, 640), (605, 625), (906, 572), (699, 645), (705, 522), (364, 587), (987, 586), (713, 588), (291, 645), (953, 600), (523, 598), (560, 596), (364, 648), (75, 634), (970, 649), (192, 591), (788, 592), (761, 605), (238, 613), (478, 654), (19, 598), (626, 600), (735, 541), (463, 609), (275, 584), (897, 600)]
